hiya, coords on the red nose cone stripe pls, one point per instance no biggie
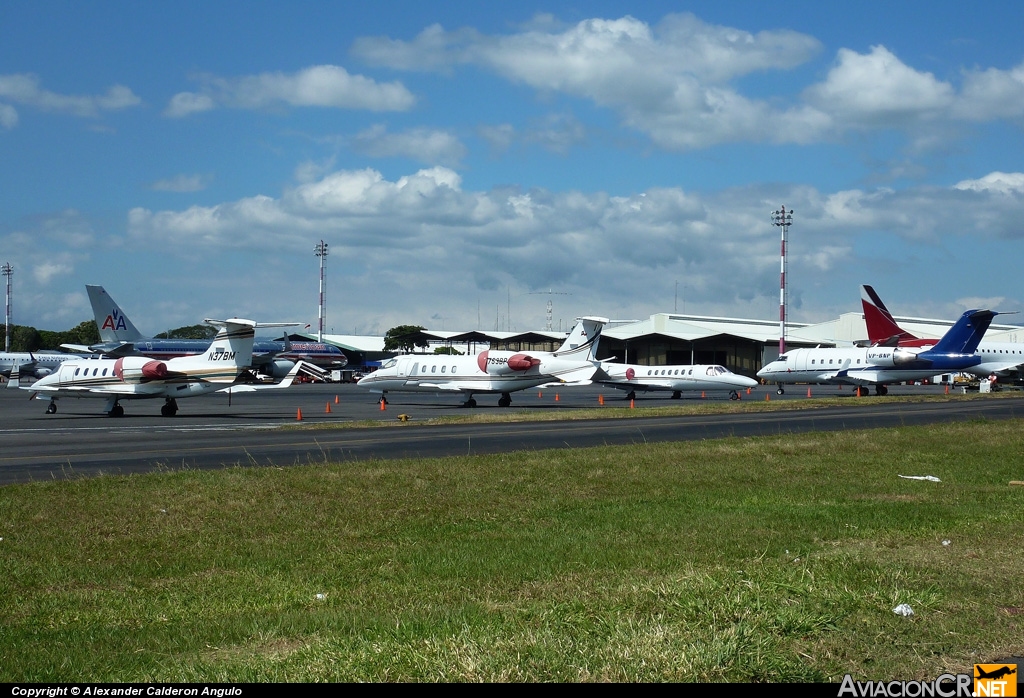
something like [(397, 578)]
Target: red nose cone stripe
[(481, 361), (630, 374), (522, 362), (154, 369)]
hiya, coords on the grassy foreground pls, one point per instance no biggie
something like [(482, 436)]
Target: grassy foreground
[(768, 559)]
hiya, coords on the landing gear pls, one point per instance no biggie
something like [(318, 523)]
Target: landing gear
[(862, 391), (881, 390), (632, 395), (51, 408), (505, 400), (169, 408), (676, 394), (781, 391), (383, 400), (733, 395), (471, 403)]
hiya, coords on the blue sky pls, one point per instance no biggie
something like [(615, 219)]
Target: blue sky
[(463, 159)]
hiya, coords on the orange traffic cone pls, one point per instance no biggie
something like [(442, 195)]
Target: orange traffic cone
[(298, 415), (383, 405), (335, 399), (631, 405), (556, 397), (600, 399), (767, 397), (538, 393), (748, 391), (947, 389), (702, 395), (328, 410), (808, 392)]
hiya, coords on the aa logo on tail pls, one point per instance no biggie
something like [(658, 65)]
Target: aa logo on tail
[(114, 321)]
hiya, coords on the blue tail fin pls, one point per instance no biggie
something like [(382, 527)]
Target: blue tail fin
[(966, 334)]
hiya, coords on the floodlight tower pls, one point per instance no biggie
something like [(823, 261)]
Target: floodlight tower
[(783, 219), (321, 251), (7, 271)]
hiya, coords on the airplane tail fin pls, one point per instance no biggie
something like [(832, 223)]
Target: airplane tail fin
[(583, 339), (882, 328), (113, 324), (231, 350), (965, 336)]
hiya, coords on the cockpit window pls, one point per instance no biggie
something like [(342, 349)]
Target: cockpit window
[(390, 363)]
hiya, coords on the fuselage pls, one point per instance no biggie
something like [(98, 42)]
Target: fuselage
[(41, 364), (103, 377), (859, 366), (319, 354), (489, 372), (683, 378)]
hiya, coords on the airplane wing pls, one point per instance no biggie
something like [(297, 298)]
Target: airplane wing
[(300, 366), (112, 350)]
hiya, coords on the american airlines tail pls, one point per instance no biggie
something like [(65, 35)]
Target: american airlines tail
[(882, 328), (582, 341), (113, 324)]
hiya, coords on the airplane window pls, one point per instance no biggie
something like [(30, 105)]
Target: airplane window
[(830, 362), (711, 370), (453, 369), (433, 369), (77, 370), (443, 368), (390, 364), (648, 372), (94, 371), (690, 372), (104, 372)]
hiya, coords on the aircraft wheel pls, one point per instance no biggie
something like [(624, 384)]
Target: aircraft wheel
[(733, 395), (676, 394), (781, 391), (504, 401), (881, 390), (632, 395), (51, 408), (470, 402), (168, 410), (116, 411)]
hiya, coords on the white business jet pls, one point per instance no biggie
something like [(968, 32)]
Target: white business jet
[(140, 377), (492, 371), (677, 379), (863, 367)]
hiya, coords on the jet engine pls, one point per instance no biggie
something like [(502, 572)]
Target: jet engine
[(136, 369), (277, 368), (502, 364)]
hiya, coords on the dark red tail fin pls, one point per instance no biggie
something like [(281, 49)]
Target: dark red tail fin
[(882, 329)]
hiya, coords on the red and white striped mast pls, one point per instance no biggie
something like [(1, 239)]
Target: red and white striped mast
[(783, 219)]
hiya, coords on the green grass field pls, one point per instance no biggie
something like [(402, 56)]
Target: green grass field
[(768, 559)]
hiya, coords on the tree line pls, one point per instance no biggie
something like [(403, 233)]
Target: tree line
[(25, 338)]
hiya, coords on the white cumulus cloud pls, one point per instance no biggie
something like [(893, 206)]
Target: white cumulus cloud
[(430, 146), (25, 89), (317, 86)]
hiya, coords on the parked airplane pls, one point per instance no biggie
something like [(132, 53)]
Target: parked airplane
[(33, 364), (120, 337), (878, 366), (678, 379), (492, 371), (999, 358), (139, 377)]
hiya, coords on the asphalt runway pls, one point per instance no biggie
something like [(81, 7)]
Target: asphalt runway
[(217, 430)]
